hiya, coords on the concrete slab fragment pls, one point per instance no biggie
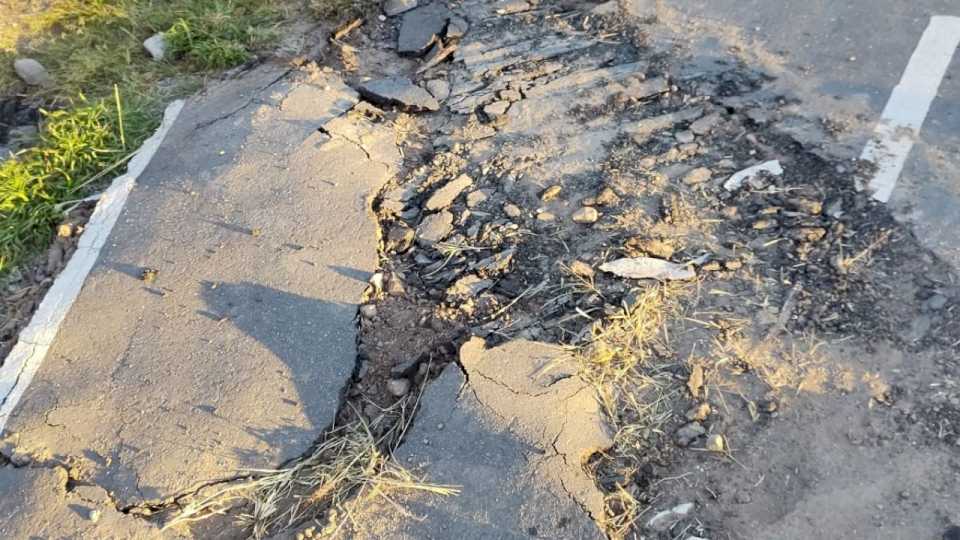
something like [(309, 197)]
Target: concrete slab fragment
[(235, 356), (513, 432)]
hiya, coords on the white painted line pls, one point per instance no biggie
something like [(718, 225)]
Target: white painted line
[(35, 340), (909, 104)]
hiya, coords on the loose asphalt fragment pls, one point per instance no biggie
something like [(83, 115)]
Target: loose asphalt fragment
[(240, 364), (513, 429)]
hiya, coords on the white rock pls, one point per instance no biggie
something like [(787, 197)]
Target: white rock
[(156, 45), (648, 268), (665, 519), (736, 181), (32, 72)]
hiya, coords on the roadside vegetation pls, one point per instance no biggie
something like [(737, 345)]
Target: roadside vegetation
[(107, 93)]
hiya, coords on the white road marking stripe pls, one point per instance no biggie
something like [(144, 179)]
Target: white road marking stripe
[(35, 340), (909, 104)]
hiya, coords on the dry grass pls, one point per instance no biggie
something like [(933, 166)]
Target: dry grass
[(623, 361), (351, 465)]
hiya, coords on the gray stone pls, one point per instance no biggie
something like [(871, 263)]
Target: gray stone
[(398, 91), (512, 435), (697, 176), (420, 28), (156, 45), (392, 8), (478, 197), (684, 137), (457, 27), (435, 228), (445, 196), (689, 432), (398, 387), (439, 89), (512, 211), (705, 125), (936, 302), (468, 287), (641, 9), (663, 521), (496, 109), (32, 72)]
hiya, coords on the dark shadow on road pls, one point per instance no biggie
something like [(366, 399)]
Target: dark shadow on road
[(351, 273)]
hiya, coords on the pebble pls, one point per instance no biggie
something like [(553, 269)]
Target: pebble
[(550, 193), (420, 28), (705, 125), (733, 264), (445, 196), (399, 91), (512, 210), (496, 109), (368, 311), (684, 137), (664, 520), (764, 224), (392, 8), (688, 433), (476, 198), (435, 228), (398, 387), (586, 215), (936, 302), (546, 217), (94, 515), (457, 27), (399, 238), (32, 72), (607, 197), (156, 45), (699, 413), (715, 443), (697, 176)]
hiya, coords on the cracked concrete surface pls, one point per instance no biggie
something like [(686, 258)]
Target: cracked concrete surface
[(255, 212), (513, 429)]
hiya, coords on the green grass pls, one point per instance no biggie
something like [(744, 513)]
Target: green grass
[(92, 48)]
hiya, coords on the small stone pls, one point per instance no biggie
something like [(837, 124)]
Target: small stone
[(663, 521), (65, 230), (546, 217), (697, 176), (936, 302), (688, 433), (699, 413), (457, 27), (586, 215), (496, 109), (476, 198), (768, 406), (733, 264), (395, 286), (510, 95), (809, 234), (705, 125), (392, 8), (607, 197), (684, 137), (715, 443), (420, 28), (439, 89), (399, 238), (512, 211), (32, 72), (764, 224), (156, 45), (368, 311), (550, 193), (581, 269), (469, 287), (94, 515), (398, 387), (435, 228), (641, 9), (743, 497), (445, 196), (398, 91), (808, 206)]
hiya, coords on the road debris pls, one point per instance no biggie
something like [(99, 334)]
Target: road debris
[(736, 181), (648, 268)]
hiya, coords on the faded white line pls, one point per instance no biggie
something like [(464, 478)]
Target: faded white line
[(909, 104), (35, 340)]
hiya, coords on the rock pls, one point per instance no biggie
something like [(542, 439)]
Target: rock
[(546, 217), (695, 380), (496, 109), (736, 181), (420, 28), (398, 387), (55, 256), (496, 263), (715, 443), (699, 413), (395, 285), (399, 238), (607, 197), (697, 176), (648, 268), (445, 196), (398, 91), (510, 95), (581, 269), (764, 224), (688, 433), (607, 8), (705, 125), (808, 206), (156, 45), (32, 72), (586, 215), (435, 228), (507, 7), (392, 8), (457, 27), (684, 137), (664, 520), (368, 311), (935, 302), (512, 211), (476, 198), (550, 193), (94, 515), (439, 89), (469, 287), (641, 9)]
